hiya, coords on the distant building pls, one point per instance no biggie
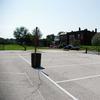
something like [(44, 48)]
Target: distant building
[(83, 36)]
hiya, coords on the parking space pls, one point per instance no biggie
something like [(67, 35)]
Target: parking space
[(68, 75), (76, 72), (17, 80)]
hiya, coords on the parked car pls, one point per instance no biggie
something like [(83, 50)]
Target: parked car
[(71, 47)]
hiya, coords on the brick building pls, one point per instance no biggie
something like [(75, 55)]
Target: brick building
[(83, 36)]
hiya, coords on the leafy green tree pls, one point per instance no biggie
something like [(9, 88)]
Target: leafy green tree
[(50, 39), (2, 42), (21, 34), (61, 32), (96, 39), (39, 33), (10, 41), (76, 42), (43, 42)]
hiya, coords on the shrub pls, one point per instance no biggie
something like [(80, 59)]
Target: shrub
[(76, 42), (96, 40)]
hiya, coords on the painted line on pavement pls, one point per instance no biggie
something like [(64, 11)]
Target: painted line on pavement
[(24, 59), (29, 78), (77, 79), (58, 86), (62, 89)]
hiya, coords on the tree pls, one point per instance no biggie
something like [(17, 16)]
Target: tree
[(21, 35), (96, 39), (60, 33), (29, 39), (50, 39), (37, 35), (43, 42), (10, 41), (2, 42), (76, 42)]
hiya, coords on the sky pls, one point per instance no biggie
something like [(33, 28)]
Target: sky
[(51, 16)]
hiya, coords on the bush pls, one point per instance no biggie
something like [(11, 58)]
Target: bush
[(2, 47), (76, 42), (96, 40)]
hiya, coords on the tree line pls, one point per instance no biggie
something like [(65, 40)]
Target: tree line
[(23, 37)]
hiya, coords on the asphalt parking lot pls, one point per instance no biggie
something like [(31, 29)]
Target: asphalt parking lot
[(68, 75)]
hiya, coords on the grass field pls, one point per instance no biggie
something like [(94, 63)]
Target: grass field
[(18, 47), (91, 48)]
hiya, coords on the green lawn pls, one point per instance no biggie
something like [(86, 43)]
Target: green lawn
[(91, 48), (18, 47), (1, 47), (13, 47)]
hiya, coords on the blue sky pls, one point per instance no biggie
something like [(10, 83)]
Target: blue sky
[(51, 16)]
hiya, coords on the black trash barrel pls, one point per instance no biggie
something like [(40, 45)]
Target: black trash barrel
[(36, 60)]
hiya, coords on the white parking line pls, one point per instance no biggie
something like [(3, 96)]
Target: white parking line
[(76, 79), (24, 59), (58, 86), (29, 78), (33, 85), (62, 89)]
